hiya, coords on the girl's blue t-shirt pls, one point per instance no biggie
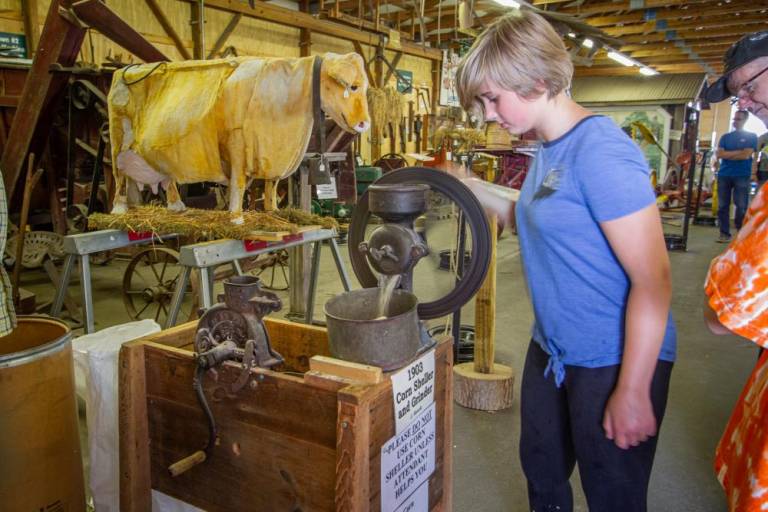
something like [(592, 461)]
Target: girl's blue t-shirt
[(579, 290)]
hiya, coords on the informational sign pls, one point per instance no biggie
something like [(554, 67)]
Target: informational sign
[(418, 501), (407, 461), (413, 390), (13, 45), (327, 191), (404, 81)]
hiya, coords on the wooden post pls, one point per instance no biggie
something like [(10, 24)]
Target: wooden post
[(135, 471), (60, 42), (482, 384), (378, 80), (196, 21), (485, 310), (31, 29), (305, 35)]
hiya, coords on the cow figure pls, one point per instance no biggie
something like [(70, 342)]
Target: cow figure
[(226, 121)]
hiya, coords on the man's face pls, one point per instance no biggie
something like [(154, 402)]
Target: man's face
[(738, 121), (752, 95)]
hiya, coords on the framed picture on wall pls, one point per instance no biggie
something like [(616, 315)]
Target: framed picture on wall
[(448, 95), (656, 119)]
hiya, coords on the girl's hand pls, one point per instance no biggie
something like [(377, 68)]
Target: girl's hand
[(629, 419)]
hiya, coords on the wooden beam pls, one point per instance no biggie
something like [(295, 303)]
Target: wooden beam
[(31, 28), (222, 39), (670, 14), (654, 61), (676, 13), (715, 43), (705, 24), (633, 71), (624, 5), (168, 28), (612, 21), (282, 16), (102, 18), (196, 22), (60, 43), (359, 50), (305, 35), (393, 66), (690, 35)]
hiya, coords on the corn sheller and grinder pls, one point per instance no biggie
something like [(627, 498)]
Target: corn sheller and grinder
[(233, 330)]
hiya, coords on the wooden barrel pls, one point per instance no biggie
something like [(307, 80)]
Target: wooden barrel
[(40, 462)]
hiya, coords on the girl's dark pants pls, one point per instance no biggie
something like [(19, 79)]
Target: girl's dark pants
[(563, 426)]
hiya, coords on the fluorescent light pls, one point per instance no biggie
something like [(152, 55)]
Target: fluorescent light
[(648, 71), (587, 43), (621, 59), (508, 3), (572, 35)]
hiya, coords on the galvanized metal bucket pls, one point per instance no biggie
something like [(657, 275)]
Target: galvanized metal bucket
[(355, 334), (41, 466)]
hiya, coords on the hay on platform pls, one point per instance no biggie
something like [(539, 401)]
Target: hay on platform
[(207, 224)]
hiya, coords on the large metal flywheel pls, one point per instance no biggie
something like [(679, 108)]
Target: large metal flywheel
[(473, 216)]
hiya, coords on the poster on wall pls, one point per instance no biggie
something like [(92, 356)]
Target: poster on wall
[(448, 95), (657, 120)]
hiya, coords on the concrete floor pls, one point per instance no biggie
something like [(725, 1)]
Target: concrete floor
[(706, 381)]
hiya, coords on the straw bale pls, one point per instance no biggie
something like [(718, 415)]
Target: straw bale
[(208, 224)]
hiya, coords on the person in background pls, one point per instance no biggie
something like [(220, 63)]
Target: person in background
[(762, 160), (597, 371), (737, 295), (735, 151)]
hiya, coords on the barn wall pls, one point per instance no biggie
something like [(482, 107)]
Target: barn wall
[(251, 37)]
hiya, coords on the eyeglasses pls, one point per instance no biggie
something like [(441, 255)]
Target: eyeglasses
[(747, 87)]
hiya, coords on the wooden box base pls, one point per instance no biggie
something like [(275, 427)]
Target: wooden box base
[(289, 440)]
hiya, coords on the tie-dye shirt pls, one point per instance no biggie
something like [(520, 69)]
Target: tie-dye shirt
[(737, 286)]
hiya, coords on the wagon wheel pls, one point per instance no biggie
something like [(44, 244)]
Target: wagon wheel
[(391, 162), (149, 282)]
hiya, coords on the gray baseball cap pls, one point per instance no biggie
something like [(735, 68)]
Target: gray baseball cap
[(747, 49)]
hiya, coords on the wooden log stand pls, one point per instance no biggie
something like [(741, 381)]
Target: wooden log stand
[(483, 384), (297, 439)]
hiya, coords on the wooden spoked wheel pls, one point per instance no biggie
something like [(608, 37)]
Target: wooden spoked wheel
[(149, 282)]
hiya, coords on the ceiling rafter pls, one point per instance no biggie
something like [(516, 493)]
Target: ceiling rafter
[(638, 16), (624, 5), (700, 24)]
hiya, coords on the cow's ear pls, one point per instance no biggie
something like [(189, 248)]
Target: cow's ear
[(343, 72)]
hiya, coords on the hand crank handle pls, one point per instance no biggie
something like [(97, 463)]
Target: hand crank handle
[(187, 463)]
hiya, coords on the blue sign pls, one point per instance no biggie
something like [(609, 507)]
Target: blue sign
[(13, 45)]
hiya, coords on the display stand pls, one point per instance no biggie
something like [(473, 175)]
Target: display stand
[(206, 256), (79, 247)]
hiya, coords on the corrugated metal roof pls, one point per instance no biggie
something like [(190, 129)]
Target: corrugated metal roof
[(638, 90)]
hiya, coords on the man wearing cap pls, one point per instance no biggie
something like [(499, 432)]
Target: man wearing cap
[(737, 295), (746, 76)]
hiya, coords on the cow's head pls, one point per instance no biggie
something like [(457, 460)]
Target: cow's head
[(344, 88)]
